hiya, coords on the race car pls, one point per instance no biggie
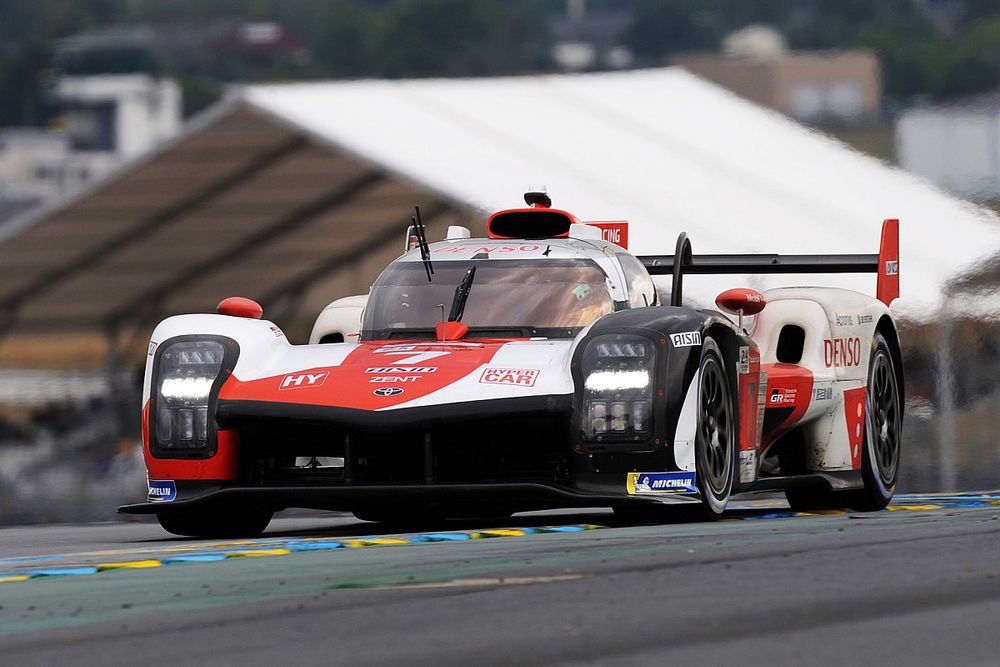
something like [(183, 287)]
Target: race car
[(536, 368)]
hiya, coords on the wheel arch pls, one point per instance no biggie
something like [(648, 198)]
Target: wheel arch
[(728, 342), (729, 345), (887, 328)]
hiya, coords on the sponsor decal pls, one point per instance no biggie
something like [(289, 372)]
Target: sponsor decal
[(743, 364), (161, 490), (781, 396), (152, 349), (278, 333), (408, 347), (891, 267), (761, 406), (865, 319), (686, 339), (752, 385), (613, 232), (638, 483), (401, 369), (498, 249), (349, 386), (854, 412), (522, 377), (823, 393), (845, 320), (842, 352), (388, 391), (303, 380), (748, 465), (410, 359), (393, 379)]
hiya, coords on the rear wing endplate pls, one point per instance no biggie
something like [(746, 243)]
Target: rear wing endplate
[(885, 264)]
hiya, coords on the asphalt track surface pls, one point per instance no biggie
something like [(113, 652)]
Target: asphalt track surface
[(918, 585)]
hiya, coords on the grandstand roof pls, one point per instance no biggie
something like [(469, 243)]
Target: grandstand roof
[(296, 194)]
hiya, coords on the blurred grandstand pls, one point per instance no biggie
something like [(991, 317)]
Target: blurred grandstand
[(296, 195), (68, 445)]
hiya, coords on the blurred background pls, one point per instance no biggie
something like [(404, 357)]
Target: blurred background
[(156, 157)]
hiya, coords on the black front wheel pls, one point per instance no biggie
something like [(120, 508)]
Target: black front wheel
[(715, 450), (715, 442), (408, 517), (216, 521)]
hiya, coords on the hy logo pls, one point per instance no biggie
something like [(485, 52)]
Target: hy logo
[(302, 380), (892, 267), (388, 391)]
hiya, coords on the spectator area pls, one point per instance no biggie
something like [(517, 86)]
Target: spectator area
[(297, 194)]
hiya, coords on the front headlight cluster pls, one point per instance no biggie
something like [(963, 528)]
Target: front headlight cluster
[(618, 372), (187, 372)]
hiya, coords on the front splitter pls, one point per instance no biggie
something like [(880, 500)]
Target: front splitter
[(517, 496)]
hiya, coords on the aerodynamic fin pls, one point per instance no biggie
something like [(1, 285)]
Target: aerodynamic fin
[(887, 287), (885, 263)]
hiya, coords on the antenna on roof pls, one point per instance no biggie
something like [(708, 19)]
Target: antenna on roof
[(537, 197), (425, 251)]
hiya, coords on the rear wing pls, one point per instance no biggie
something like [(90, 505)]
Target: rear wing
[(885, 264)]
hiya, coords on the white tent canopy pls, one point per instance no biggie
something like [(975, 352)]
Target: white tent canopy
[(661, 148)]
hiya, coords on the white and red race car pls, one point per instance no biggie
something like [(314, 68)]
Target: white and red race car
[(533, 369)]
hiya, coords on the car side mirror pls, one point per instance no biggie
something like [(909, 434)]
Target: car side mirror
[(741, 301), (238, 306)]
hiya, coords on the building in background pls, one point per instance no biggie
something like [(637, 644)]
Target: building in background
[(117, 116), (819, 87), (585, 38), (39, 166), (956, 145), (33, 165), (221, 48), (106, 106)]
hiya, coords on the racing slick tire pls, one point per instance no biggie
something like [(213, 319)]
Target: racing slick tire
[(640, 513), (224, 522), (793, 462), (803, 498), (715, 450), (631, 513), (415, 517), (400, 517), (883, 430), (715, 441), (880, 455)]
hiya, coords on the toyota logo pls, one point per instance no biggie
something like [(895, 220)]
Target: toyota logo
[(388, 391)]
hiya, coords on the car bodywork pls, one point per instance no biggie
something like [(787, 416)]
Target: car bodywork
[(560, 389)]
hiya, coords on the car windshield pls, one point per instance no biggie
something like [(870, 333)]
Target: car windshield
[(529, 295)]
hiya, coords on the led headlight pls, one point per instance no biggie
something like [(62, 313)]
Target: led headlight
[(187, 371), (618, 372)]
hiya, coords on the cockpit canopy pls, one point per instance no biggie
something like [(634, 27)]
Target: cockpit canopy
[(554, 297)]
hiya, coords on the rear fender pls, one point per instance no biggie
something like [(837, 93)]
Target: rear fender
[(340, 321), (837, 347), (888, 329)]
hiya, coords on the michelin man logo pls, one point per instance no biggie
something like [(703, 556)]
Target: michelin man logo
[(660, 482)]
